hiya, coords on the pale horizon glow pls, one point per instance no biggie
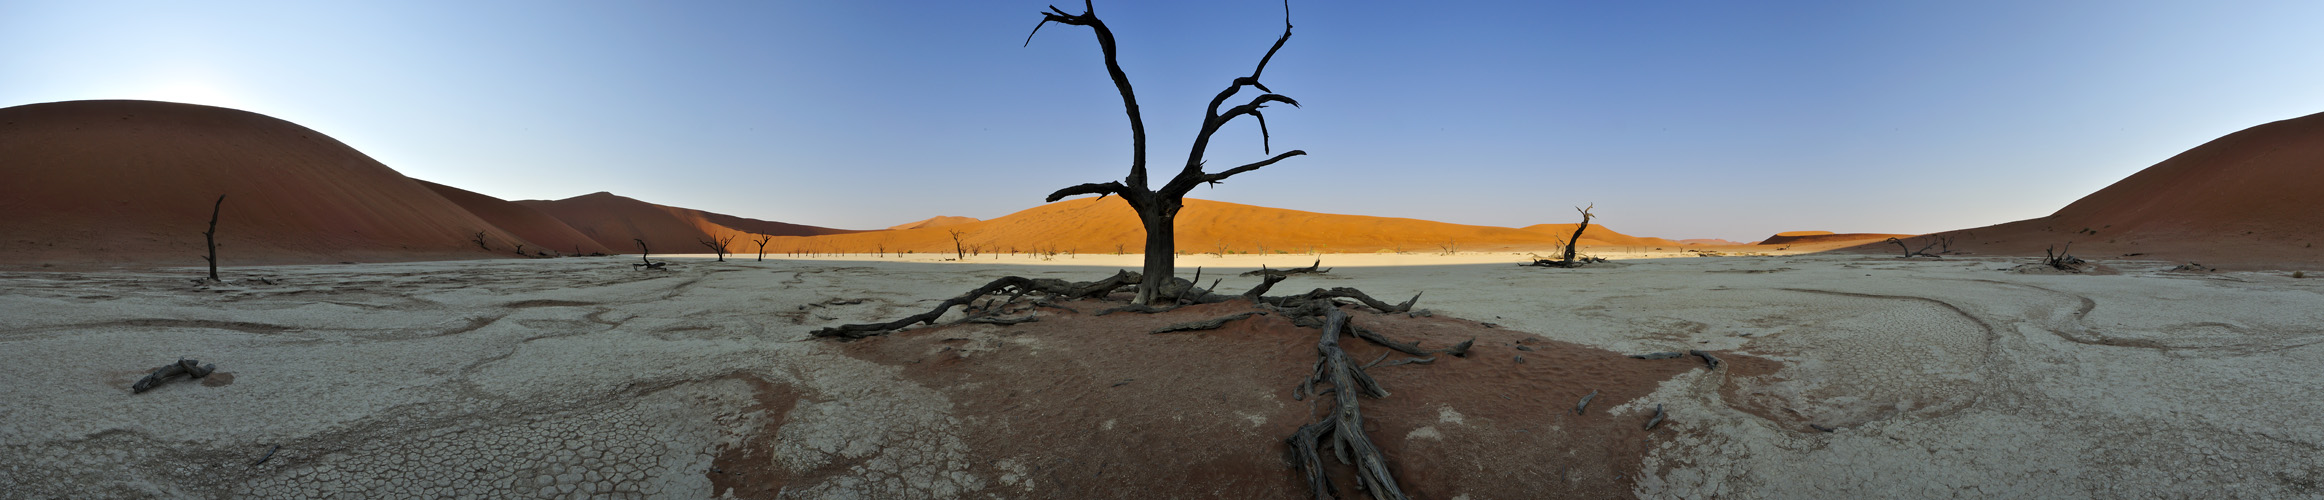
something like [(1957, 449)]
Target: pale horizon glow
[(1678, 120)]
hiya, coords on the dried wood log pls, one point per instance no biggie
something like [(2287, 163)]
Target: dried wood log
[(1208, 324), (1708, 359), (1345, 427), (165, 373)]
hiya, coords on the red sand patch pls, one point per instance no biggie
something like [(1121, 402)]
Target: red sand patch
[(1095, 407)]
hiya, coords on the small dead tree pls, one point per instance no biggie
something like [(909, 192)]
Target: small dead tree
[(479, 239), (210, 237), (1158, 209), (645, 254), (718, 245), (1909, 252), (762, 240), (520, 250), (959, 252), (2058, 259)]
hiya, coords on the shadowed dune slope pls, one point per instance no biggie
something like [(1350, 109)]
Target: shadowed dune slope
[(2253, 199), (539, 230), (614, 221), (133, 182), (1793, 238), (1091, 225)]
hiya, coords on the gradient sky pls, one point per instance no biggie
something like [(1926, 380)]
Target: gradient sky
[(1678, 119)]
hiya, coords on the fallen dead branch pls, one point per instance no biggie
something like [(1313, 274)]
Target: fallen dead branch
[(1310, 269), (184, 367), (1708, 359), (1014, 286), (1208, 324), (1657, 420), (1585, 404)]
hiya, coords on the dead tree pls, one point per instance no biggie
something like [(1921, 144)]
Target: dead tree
[(1158, 209), (763, 246), (1909, 252), (1570, 243), (210, 237), (958, 252), (520, 250), (2058, 259), (479, 239), (718, 245), (644, 254), (1572, 256)]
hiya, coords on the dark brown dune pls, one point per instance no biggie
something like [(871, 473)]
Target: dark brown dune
[(614, 221), (131, 183), (1796, 238), (1091, 225), (540, 231), (2253, 199)]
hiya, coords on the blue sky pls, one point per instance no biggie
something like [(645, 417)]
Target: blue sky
[(1678, 119)]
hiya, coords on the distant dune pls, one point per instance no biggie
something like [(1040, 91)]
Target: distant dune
[(1791, 238), (937, 221), (541, 232), (2253, 199), (615, 221), (132, 182), (1711, 241), (1090, 225)]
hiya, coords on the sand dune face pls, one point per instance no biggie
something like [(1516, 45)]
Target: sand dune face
[(614, 221), (2251, 199), (1091, 225), (937, 221), (132, 182), (539, 230)]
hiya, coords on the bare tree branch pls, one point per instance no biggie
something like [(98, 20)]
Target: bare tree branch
[(1246, 168), (1101, 189), (1105, 43)]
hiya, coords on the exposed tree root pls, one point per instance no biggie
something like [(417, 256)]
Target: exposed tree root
[(1658, 355), (1657, 420), (1344, 429), (1585, 404), (1016, 286), (1708, 359)]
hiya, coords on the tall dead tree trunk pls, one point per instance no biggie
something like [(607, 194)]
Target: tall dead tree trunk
[(1158, 209), (210, 237), (1577, 239), (762, 239)]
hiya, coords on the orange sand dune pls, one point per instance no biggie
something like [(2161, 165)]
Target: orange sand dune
[(614, 221), (2251, 200), (541, 232), (1712, 242), (1797, 238), (937, 221), (1091, 225), (91, 183)]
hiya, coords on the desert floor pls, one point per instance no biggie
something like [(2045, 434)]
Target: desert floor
[(581, 376)]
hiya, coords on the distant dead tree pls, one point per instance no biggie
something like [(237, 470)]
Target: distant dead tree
[(1572, 256), (2058, 259), (762, 240), (645, 254), (479, 239), (718, 245), (958, 252), (520, 250), (210, 237), (1158, 209), (1909, 252)]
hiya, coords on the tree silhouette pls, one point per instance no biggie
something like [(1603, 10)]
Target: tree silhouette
[(1158, 209), (210, 237)]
